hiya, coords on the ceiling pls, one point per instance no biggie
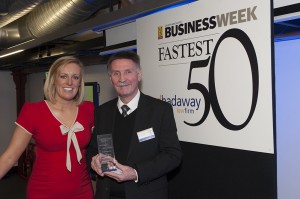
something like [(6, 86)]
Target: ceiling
[(47, 29)]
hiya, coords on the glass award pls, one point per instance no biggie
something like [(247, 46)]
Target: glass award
[(106, 151)]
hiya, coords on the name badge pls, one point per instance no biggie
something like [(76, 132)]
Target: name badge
[(146, 134)]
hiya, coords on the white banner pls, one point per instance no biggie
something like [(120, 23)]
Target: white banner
[(212, 60)]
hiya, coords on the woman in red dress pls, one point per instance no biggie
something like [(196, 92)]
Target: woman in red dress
[(61, 127)]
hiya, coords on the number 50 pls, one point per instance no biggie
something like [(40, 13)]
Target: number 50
[(210, 97)]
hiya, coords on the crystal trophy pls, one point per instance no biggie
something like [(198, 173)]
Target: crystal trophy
[(106, 151)]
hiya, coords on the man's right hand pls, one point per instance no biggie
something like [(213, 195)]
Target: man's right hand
[(96, 164)]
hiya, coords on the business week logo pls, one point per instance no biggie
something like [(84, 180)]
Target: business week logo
[(207, 23)]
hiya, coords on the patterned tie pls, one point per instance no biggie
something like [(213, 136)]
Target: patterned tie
[(125, 108)]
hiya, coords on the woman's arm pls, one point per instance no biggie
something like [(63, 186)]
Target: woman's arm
[(17, 145)]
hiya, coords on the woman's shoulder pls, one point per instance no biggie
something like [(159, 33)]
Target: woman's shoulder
[(32, 110)]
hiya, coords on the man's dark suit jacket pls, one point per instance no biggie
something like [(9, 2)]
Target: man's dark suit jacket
[(153, 158)]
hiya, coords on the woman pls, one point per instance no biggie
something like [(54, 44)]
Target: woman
[(61, 127)]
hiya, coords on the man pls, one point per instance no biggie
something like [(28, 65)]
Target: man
[(145, 139)]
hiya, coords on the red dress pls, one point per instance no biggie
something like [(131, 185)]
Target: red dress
[(50, 178)]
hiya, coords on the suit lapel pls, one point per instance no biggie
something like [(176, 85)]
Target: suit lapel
[(110, 117)]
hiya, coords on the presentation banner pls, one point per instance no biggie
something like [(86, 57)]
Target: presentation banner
[(212, 61)]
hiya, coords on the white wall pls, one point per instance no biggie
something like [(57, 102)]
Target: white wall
[(287, 62), (8, 109), (34, 87), (98, 73)]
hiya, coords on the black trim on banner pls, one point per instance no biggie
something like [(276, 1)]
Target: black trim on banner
[(287, 9), (211, 172), (274, 98), (129, 45)]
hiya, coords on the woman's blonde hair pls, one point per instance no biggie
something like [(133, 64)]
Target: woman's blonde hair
[(49, 87)]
